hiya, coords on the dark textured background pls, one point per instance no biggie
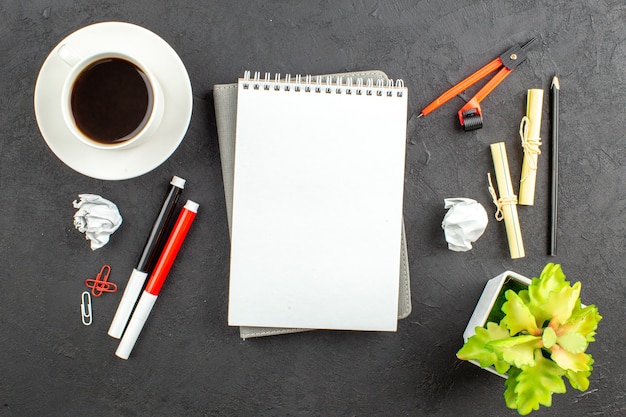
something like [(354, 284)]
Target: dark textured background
[(188, 362)]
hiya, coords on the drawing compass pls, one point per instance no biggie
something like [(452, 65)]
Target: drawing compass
[(470, 115)]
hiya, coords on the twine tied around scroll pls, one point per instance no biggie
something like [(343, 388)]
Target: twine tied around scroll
[(530, 145), (500, 202)]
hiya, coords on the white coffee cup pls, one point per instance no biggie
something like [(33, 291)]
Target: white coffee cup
[(143, 130)]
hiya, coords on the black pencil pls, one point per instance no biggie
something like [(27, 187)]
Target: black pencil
[(555, 164)]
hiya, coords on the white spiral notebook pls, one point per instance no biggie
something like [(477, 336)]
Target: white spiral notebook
[(317, 203)]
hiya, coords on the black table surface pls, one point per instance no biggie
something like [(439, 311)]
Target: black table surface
[(188, 361)]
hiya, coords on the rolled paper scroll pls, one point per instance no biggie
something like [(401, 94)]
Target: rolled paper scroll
[(507, 203), (530, 130)]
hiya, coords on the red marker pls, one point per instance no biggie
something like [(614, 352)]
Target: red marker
[(162, 268)]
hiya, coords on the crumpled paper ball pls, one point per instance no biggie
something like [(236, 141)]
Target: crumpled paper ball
[(97, 218), (464, 223)]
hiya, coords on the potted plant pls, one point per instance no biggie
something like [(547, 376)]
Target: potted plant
[(533, 333)]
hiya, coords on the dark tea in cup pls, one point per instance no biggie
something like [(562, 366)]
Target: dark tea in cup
[(111, 101)]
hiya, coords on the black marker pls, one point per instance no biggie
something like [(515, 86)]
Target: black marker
[(146, 261)]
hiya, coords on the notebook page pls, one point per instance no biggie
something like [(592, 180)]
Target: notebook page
[(317, 209)]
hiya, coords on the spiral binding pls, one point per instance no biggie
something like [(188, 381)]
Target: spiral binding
[(317, 84)]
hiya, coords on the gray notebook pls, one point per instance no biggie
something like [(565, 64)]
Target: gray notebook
[(225, 97)]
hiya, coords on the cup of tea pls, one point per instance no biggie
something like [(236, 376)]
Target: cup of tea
[(110, 100)]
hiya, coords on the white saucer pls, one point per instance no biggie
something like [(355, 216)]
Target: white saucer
[(119, 164)]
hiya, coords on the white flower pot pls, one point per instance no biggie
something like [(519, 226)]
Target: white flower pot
[(486, 303)]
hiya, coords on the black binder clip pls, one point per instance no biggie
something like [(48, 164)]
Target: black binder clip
[(470, 115)]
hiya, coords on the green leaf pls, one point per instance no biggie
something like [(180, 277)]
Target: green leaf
[(535, 384), (475, 348), (524, 296), (572, 342), (518, 317), (583, 320), (577, 362), (548, 337), (551, 280), (561, 304), (510, 397), (551, 296), (502, 366), (579, 380), (518, 351)]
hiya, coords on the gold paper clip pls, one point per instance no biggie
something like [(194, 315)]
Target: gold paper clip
[(85, 308)]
